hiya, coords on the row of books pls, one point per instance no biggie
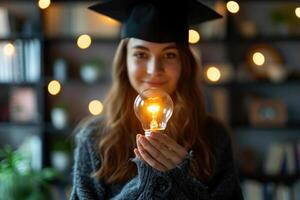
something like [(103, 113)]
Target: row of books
[(75, 19), (20, 61), (283, 159), (254, 190)]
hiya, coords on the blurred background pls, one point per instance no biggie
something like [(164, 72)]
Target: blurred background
[(55, 66)]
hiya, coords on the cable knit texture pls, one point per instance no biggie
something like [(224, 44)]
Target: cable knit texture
[(150, 183)]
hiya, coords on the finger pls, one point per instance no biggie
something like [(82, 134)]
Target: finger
[(156, 154), (167, 153), (148, 159), (170, 143), (137, 153)]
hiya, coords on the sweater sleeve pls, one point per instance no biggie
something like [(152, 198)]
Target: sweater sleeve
[(177, 184), (86, 162), (224, 183)]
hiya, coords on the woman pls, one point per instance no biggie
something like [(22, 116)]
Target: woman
[(192, 158)]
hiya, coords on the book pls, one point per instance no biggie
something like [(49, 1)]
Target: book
[(23, 105), (274, 160), (4, 22), (252, 190)]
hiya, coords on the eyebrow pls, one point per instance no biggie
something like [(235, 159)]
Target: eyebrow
[(147, 49)]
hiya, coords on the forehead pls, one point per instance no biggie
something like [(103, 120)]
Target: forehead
[(134, 42)]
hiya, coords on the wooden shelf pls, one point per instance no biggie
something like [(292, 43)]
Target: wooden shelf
[(236, 84), (79, 82), (21, 37), (68, 39), (15, 84), (9, 125), (290, 127), (287, 179), (49, 128)]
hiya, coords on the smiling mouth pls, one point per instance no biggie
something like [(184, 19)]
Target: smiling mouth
[(154, 83)]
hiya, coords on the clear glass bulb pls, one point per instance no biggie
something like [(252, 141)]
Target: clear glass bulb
[(153, 107)]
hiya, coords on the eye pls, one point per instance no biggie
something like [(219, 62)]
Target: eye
[(140, 55), (170, 55)]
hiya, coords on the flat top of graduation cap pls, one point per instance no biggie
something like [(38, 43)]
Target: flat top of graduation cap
[(156, 20)]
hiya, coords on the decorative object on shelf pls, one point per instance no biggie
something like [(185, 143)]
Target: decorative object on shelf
[(247, 28), (265, 63), (4, 22), (59, 116), (281, 159), (23, 105), (267, 112), (92, 71), (220, 104), (19, 181), (77, 20), (248, 161), (60, 71), (218, 73), (60, 155)]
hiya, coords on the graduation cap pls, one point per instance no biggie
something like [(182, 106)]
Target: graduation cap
[(156, 20)]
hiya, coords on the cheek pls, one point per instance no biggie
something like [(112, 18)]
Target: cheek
[(175, 72), (135, 73)]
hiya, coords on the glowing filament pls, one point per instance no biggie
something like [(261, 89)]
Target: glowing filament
[(153, 109)]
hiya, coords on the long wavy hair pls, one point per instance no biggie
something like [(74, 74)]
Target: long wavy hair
[(117, 136)]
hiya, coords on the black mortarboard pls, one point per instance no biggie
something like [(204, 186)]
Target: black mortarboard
[(156, 20)]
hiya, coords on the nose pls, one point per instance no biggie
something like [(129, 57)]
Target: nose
[(154, 66)]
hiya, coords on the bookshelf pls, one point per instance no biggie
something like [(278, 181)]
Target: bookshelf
[(230, 46)]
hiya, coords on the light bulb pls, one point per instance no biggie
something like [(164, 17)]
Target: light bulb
[(153, 107)]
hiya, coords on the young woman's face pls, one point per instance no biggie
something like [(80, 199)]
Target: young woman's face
[(153, 65)]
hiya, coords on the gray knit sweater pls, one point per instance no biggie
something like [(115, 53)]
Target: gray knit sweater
[(150, 183)]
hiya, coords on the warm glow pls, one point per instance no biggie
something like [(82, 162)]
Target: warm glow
[(233, 6), (54, 87), (153, 108), (194, 36), (258, 58), (109, 21), (213, 74), (9, 49), (297, 12), (95, 107), (84, 41), (43, 4)]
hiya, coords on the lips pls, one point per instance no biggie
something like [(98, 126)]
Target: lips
[(155, 83)]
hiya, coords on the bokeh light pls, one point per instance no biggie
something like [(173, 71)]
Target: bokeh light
[(258, 58), (54, 87), (84, 41), (9, 49), (43, 4), (297, 12), (95, 107), (213, 74), (194, 36), (233, 7)]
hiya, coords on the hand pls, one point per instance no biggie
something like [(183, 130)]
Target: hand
[(159, 151)]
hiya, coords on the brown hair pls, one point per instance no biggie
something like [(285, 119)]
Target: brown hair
[(186, 126)]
